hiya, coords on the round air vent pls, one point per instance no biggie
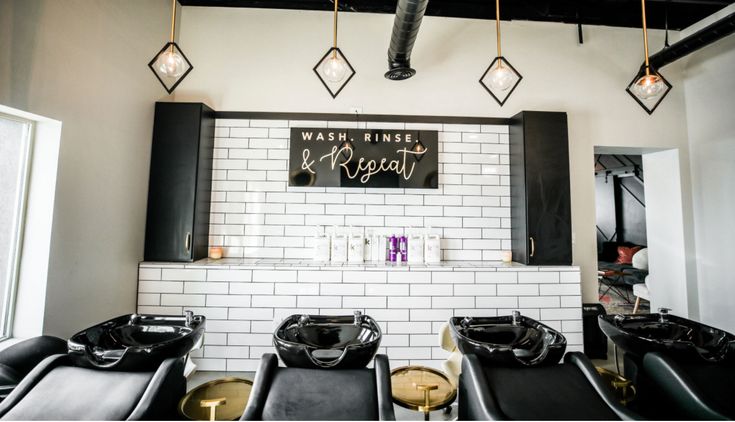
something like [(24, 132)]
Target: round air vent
[(399, 73)]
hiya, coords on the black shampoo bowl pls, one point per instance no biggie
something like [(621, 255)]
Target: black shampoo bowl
[(670, 359), (315, 341), (508, 340), (285, 394), (680, 338), (136, 342)]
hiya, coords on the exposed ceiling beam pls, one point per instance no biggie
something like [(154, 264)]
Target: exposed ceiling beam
[(620, 13)]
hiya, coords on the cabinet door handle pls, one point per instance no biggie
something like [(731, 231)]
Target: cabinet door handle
[(188, 242), (533, 246)]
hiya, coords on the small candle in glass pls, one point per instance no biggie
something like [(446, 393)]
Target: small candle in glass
[(215, 252), (507, 257)]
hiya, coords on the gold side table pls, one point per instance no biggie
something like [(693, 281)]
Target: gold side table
[(422, 389), (222, 399)]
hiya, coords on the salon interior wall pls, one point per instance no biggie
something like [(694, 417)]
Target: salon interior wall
[(261, 60), (83, 62), (710, 103)]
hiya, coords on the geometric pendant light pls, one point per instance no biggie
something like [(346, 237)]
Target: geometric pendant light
[(500, 78), (648, 88), (333, 69), (170, 65)]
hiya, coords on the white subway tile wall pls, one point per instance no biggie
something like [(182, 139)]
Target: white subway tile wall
[(255, 214), (267, 228), (243, 303)]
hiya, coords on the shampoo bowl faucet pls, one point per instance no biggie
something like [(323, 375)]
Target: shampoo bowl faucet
[(516, 315), (662, 314)]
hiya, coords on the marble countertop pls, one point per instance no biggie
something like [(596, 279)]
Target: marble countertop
[(268, 263)]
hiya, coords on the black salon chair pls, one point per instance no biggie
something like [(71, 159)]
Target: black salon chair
[(18, 360), (691, 390), (320, 394), (569, 391), (57, 389)]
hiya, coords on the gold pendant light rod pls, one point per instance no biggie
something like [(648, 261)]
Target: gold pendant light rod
[(645, 35), (334, 52), (173, 22), (501, 78), (497, 26)]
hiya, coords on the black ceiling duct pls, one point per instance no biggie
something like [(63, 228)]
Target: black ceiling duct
[(405, 29), (694, 42)]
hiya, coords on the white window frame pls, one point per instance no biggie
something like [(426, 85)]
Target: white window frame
[(11, 285)]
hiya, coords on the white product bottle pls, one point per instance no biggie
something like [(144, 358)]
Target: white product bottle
[(368, 246), (432, 249), (339, 247), (378, 246), (356, 252), (415, 248), (322, 246)]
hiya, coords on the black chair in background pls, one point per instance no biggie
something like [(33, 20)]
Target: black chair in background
[(320, 394)]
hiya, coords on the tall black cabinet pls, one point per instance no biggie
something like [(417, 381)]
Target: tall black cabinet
[(539, 188), (179, 189)]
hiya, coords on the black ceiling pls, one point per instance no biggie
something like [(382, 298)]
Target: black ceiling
[(626, 13)]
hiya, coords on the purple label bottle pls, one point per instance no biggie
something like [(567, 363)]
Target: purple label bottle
[(403, 247), (392, 248)]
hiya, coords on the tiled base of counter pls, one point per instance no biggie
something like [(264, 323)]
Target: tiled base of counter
[(244, 300)]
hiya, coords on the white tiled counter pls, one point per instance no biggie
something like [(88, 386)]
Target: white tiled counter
[(244, 299)]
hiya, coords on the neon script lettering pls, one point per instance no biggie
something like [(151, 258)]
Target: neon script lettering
[(365, 169)]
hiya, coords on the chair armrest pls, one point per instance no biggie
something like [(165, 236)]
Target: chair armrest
[(672, 380), (584, 365), (161, 397), (261, 386), (23, 356), (476, 401), (384, 393), (30, 381)]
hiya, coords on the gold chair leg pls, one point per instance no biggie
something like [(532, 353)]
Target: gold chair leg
[(637, 304), (212, 405), (427, 389)]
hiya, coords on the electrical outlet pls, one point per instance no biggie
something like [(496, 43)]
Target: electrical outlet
[(355, 110)]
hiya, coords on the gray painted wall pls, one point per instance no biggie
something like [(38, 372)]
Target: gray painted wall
[(84, 63), (710, 105)]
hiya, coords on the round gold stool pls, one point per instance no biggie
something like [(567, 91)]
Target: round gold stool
[(422, 389), (223, 399)]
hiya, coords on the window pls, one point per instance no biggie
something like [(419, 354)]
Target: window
[(15, 152)]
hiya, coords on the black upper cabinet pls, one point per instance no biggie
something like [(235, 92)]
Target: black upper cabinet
[(539, 187), (179, 189)]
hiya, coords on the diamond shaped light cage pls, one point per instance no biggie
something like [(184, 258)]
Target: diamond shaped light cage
[(170, 66), (500, 79), (649, 104), (334, 70), (419, 149), (347, 149)]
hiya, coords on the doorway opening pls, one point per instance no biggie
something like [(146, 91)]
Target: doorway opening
[(622, 253), (671, 280)]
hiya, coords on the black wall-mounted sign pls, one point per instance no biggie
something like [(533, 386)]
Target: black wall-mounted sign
[(364, 158)]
